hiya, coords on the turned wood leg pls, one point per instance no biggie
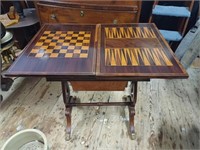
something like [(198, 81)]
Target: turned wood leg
[(131, 121), (68, 108), (68, 119), (133, 98)]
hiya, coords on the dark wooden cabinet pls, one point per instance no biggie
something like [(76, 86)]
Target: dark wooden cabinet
[(110, 11)]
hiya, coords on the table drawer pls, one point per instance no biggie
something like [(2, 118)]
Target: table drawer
[(59, 14), (99, 85)]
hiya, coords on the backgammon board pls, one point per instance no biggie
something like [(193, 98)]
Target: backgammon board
[(97, 52), (136, 50)]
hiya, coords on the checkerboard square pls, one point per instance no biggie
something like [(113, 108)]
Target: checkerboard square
[(54, 55), (78, 44), (65, 43), (55, 37), (39, 44), (35, 51), (39, 55), (80, 38), (77, 51), (49, 51), (43, 37), (69, 55), (83, 55), (68, 38), (52, 44), (47, 32), (73, 41), (63, 51), (71, 47)]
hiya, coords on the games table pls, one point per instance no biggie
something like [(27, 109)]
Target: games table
[(98, 57)]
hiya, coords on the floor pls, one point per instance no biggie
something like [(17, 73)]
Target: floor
[(167, 115)]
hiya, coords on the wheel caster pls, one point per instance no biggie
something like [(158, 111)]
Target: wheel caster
[(133, 136), (67, 137)]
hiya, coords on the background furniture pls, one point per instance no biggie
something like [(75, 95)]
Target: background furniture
[(70, 11), (15, 37), (181, 14), (26, 28), (7, 56)]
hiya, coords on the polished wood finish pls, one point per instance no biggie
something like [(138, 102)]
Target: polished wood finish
[(98, 85), (137, 52), (62, 44), (52, 66), (70, 101), (70, 11)]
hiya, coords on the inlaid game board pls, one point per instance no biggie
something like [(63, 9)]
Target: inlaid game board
[(137, 49), (99, 51), (136, 57), (62, 44), (129, 32), (133, 55)]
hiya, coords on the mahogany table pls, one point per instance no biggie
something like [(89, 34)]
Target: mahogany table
[(98, 57)]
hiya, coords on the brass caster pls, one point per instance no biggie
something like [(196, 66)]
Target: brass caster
[(67, 137), (133, 136)]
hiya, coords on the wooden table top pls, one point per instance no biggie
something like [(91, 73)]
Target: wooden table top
[(98, 52)]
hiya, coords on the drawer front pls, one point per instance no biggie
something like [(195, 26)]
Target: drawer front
[(99, 85), (77, 15)]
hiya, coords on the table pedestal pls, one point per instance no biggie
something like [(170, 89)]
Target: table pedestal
[(70, 102)]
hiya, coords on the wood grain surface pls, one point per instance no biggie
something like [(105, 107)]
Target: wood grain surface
[(98, 52), (44, 57), (136, 50), (88, 12)]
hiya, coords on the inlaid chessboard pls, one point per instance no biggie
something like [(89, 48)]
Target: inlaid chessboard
[(62, 44)]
